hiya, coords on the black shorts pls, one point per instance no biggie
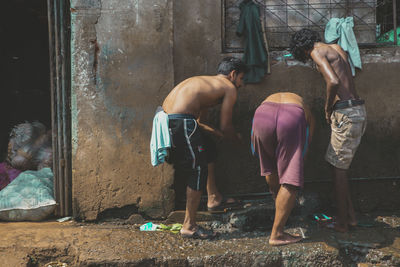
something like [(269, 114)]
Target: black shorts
[(191, 150)]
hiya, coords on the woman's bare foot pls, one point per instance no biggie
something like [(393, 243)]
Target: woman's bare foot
[(284, 239)]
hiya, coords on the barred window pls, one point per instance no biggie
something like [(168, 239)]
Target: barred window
[(280, 18)]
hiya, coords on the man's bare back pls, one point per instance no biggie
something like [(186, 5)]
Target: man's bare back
[(197, 93), (333, 64), (285, 97), (338, 62)]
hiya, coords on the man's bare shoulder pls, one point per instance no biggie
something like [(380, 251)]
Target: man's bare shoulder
[(218, 82), (338, 50), (197, 82), (330, 52), (202, 79), (335, 46), (320, 50)]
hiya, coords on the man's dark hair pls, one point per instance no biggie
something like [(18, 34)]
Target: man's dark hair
[(229, 64), (303, 40)]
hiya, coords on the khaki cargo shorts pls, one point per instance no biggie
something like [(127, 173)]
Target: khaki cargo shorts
[(348, 126)]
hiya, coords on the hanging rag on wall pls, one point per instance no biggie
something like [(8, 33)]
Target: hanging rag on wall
[(255, 52), (340, 31)]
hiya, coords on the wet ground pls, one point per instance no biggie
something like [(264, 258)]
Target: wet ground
[(243, 241)]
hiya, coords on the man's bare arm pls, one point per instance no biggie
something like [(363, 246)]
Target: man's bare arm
[(331, 79), (226, 115), (210, 130), (202, 121)]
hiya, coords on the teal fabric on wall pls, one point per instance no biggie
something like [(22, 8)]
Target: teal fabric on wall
[(340, 30), (255, 53)]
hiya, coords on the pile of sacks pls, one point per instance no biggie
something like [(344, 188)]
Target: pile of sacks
[(26, 178), (29, 147)]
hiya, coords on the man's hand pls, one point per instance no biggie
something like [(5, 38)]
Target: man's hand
[(328, 113)]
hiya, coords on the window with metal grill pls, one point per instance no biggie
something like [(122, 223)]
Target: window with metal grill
[(374, 20)]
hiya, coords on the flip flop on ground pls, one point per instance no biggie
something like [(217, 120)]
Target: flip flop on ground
[(224, 204), (200, 233)]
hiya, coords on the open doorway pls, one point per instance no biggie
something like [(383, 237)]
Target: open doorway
[(24, 63), (35, 82)]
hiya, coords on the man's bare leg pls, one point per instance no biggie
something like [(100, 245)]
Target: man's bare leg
[(284, 204), (214, 196), (352, 221), (273, 184), (192, 203), (343, 200)]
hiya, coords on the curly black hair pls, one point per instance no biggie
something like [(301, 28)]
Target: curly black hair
[(303, 40)]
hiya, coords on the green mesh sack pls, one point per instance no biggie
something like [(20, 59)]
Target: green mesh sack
[(29, 197), (389, 37)]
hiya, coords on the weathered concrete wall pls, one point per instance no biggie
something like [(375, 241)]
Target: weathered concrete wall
[(128, 54), (197, 50), (122, 68)]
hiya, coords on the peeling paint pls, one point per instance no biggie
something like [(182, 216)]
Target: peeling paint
[(137, 11), (80, 59)]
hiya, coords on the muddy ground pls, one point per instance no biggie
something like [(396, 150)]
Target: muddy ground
[(243, 241)]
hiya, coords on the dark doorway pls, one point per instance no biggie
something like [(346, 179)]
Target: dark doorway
[(24, 63), (35, 80)]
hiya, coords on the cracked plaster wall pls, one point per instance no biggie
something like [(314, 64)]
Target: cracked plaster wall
[(121, 69)]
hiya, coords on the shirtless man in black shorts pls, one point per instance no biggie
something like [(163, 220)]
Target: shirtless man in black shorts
[(185, 105), (344, 111)]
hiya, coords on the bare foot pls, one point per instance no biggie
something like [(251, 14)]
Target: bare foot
[(215, 201), (186, 231), (198, 233), (285, 239)]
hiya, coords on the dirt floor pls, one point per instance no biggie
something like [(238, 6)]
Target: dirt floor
[(243, 241)]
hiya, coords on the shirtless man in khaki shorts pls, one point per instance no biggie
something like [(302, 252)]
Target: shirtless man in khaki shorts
[(191, 152), (344, 111)]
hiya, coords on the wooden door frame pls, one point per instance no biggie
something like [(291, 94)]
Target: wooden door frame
[(60, 83)]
